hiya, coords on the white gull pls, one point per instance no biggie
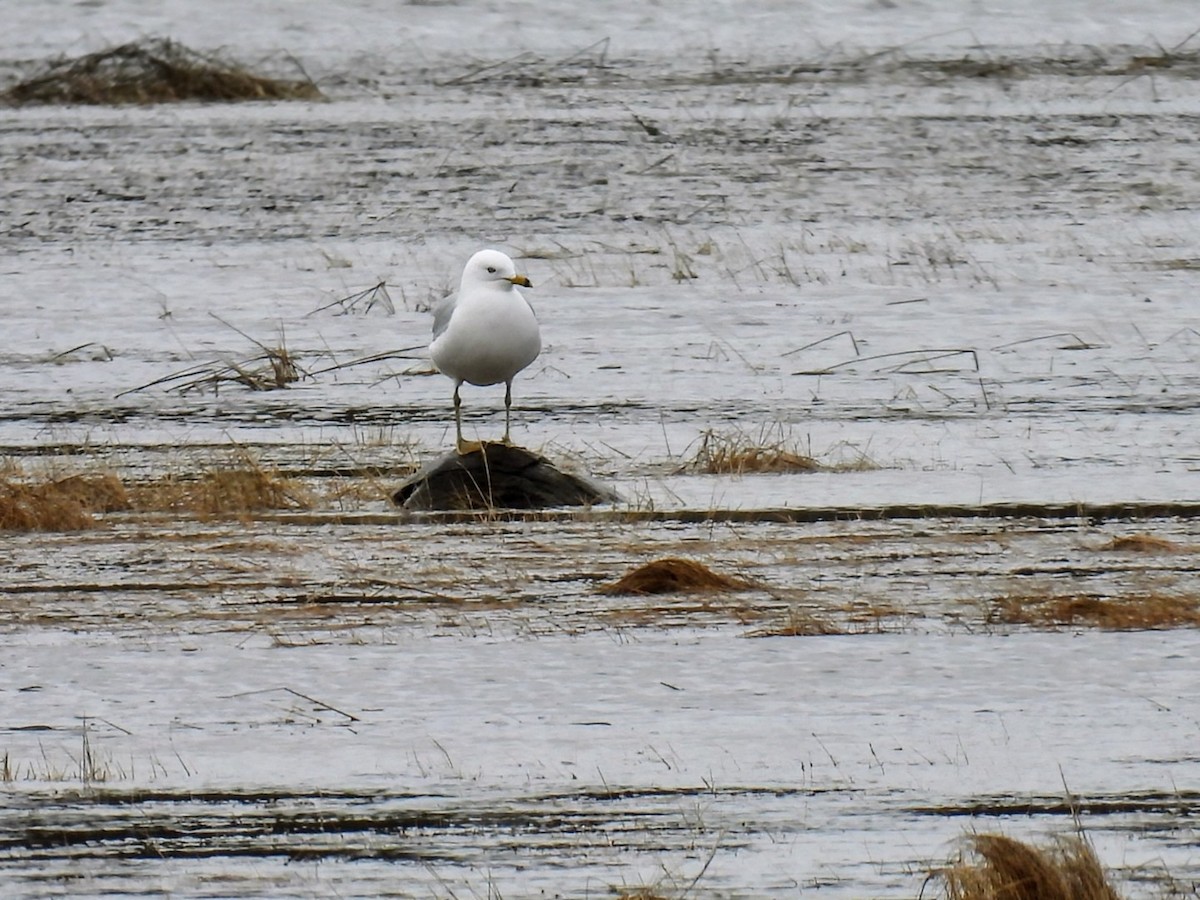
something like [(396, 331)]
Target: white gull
[(487, 332)]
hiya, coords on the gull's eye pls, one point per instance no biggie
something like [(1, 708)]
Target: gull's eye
[(491, 270)]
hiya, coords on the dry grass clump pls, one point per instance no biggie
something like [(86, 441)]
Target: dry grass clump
[(154, 70), (1137, 613), (222, 492), (771, 451), (280, 371), (737, 453), (673, 575), (62, 505), (996, 867), (25, 507)]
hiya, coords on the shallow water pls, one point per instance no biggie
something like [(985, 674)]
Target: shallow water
[(957, 275), (567, 764)]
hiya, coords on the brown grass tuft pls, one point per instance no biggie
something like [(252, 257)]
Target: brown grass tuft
[(155, 70), (1135, 613), (223, 492), (1000, 868), (40, 507), (738, 454), (1142, 543), (95, 493), (673, 575)]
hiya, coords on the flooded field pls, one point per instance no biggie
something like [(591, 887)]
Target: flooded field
[(954, 276)]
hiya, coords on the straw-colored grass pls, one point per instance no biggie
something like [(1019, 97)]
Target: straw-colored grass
[(155, 70), (66, 504), (222, 492), (1132, 613), (39, 507), (736, 453), (673, 575), (995, 867), (772, 450), (95, 493)]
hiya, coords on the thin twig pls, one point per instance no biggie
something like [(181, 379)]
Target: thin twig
[(295, 693), (809, 346), (377, 357)]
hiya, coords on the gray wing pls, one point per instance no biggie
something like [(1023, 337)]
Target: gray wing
[(442, 313)]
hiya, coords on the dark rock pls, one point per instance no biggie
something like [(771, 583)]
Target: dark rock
[(495, 475)]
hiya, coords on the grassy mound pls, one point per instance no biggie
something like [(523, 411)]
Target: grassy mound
[(673, 576), (154, 70)]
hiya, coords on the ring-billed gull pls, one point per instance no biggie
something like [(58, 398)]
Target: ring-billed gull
[(487, 332)]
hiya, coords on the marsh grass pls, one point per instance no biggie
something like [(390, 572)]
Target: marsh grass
[(735, 453), (772, 450), (236, 490), (675, 575), (154, 70), (64, 504), (90, 766), (1143, 612), (273, 368), (996, 867)]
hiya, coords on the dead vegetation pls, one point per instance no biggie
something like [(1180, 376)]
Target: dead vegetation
[(771, 451), (673, 575), (70, 503), (1139, 612), (65, 504), (153, 70), (736, 453), (271, 369), (222, 492), (996, 867)]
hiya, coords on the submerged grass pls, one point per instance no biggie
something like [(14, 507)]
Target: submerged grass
[(996, 867), (1144, 612), (798, 623)]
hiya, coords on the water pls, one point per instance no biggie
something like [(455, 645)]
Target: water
[(955, 274)]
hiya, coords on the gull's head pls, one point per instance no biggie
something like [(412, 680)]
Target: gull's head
[(493, 267)]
